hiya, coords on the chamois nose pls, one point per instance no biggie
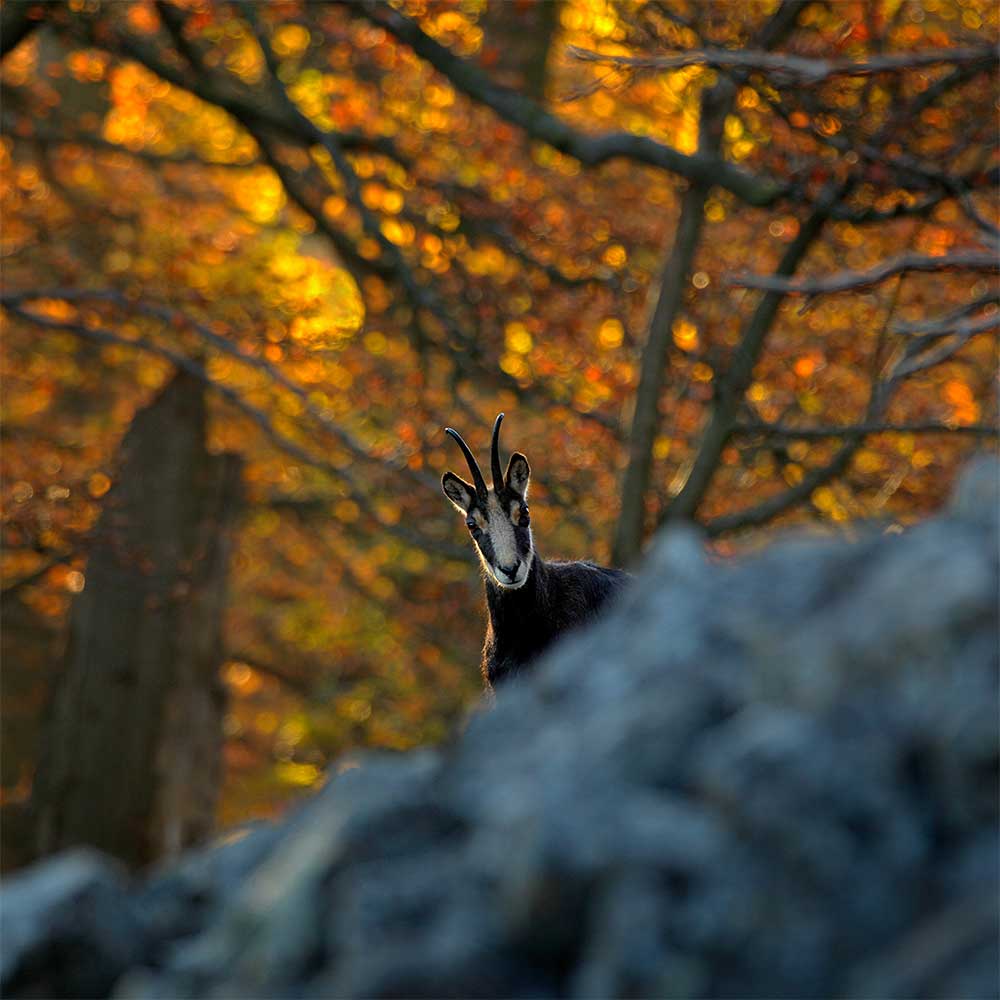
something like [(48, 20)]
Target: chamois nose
[(511, 572)]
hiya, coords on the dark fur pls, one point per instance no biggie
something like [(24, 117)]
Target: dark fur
[(556, 597)]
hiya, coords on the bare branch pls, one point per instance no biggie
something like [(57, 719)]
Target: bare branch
[(295, 187), (789, 67), (961, 329), (901, 210), (716, 105), (36, 574), (792, 497), (972, 212), (881, 394), (652, 372), (782, 431), (916, 358), (542, 125), (174, 21), (733, 385), (212, 89), (911, 112), (302, 686), (970, 260), (263, 117), (12, 127), (498, 233), (908, 168), (950, 322), (422, 297), (343, 475), (171, 317), (18, 19), (814, 478)]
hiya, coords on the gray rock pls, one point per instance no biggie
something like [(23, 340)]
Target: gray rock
[(68, 928), (774, 777)]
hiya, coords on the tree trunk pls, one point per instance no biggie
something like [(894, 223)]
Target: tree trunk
[(731, 387), (716, 104), (28, 642), (18, 19), (131, 758), (630, 529), (518, 37)]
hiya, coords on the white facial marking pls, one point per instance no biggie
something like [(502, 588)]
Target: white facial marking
[(500, 532)]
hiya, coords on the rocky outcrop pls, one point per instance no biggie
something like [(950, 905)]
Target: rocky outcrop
[(776, 777)]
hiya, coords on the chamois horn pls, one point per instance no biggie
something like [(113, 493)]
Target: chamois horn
[(495, 455), (477, 476)]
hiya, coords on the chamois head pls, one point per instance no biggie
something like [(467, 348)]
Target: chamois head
[(496, 518)]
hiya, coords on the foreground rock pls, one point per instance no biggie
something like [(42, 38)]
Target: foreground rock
[(775, 778)]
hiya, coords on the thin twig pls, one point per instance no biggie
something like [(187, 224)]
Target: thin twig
[(352, 489), (775, 431), (946, 323), (541, 124), (36, 574), (812, 479), (842, 281), (732, 386), (787, 66), (172, 317)]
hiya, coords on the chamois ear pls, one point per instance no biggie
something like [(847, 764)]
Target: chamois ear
[(458, 491), (518, 473)]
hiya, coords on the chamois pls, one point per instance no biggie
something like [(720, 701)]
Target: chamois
[(530, 601)]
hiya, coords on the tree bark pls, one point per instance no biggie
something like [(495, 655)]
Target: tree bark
[(18, 19), (652, 374), (731, 387), (716, 104), (519, 35), (131, 759), (28, 642)]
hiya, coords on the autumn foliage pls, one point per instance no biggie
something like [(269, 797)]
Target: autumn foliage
[(729, 263)]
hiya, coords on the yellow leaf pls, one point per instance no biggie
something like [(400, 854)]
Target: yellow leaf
[(610, 334), (302, 775), (685, 334), (615, 255), (517, 338)]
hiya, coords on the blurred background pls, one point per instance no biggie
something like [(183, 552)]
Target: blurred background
[(734, 264)]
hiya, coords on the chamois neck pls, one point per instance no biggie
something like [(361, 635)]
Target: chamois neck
[(504, 602)]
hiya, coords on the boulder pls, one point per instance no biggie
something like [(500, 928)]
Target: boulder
[(68, 928), (775, 776)]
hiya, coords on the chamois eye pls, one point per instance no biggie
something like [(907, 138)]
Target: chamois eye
[(525, 517), (472, 526)]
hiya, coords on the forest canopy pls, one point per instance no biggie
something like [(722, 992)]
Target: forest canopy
[(729, 264)]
